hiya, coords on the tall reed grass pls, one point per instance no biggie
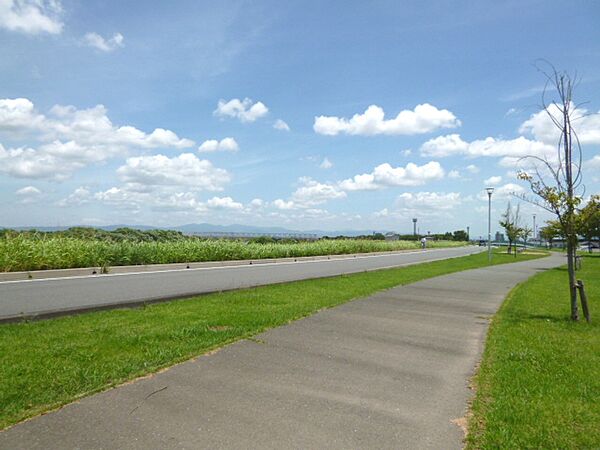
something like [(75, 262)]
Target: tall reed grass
[(25, 253)]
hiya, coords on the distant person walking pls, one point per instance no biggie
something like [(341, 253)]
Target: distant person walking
[(423, 242)]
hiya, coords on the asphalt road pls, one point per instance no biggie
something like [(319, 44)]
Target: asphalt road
[(54, 296), (389, 371)]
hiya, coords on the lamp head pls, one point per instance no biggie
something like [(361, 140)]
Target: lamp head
[(489, 190)]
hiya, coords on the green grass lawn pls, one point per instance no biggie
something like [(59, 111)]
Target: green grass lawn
[(539, 383), (46, 364)]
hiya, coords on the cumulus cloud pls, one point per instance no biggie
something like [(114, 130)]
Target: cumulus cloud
[(422, 204), (256, 203), (244, 110), (25, 162), (429, 200), (310, 193), (326, 164), (69, 139), (224, 203), (105, 45), (182, 170), (452, 144), (31, 16), (78, 197), (503, 192), (129, 197), (28, 190), (282, 204), (28, 194), (227, 144), (585, 123), (281, 125), (493, 181), (472, 168), (385, 175), (454, 174), (423, 119)]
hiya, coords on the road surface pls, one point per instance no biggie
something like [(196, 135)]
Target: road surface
[(55, 296), (389, 371)]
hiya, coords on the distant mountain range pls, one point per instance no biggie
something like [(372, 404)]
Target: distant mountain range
[(210, 228)]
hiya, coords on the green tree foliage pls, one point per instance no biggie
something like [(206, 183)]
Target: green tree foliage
[(551, 231), (588, 220), (460, 235)]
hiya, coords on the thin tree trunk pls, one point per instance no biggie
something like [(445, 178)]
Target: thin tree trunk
[(571, 233)]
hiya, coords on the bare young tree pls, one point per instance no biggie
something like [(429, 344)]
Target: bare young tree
[(557, 183), (511, 222)]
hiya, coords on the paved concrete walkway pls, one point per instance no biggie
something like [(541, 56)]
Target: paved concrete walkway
[(388, 371)]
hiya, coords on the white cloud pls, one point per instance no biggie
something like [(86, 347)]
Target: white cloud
[(28, 191), (385, 175), (593, 163), (429, 200), (282, 204), (244, 110), (28, 194), (503, 192), (31, 16), (128, 197), (472, 168), (512, 149), (540, 125), (493, 181), (69, 139), (407, 152), (313, 193), (326, 164), (256, 203), (423, 119), (183, 170), (281, 125), (224, 203), (102, 44), (227, 144), (26, 162), (78, 197), (310, 193), (18, 115), (454, 174)]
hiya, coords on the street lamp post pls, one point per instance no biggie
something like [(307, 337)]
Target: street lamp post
[(534, 230), (414, 227), (489, 191)]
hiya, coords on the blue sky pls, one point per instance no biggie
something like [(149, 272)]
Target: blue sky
[(329, 115)]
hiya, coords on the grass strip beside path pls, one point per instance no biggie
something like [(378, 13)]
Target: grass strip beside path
[(46, 364), (539, 382)]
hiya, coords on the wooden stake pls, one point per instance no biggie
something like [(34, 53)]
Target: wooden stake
[(584, 303)]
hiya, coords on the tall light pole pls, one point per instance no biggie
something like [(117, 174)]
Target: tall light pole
[(414, 227), (534, 230), (489, 191)]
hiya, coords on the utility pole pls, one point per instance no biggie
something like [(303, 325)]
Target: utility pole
[(414, 227), (490, 191)]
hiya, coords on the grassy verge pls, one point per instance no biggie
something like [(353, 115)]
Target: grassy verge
[(49, 363), (539, 382)]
